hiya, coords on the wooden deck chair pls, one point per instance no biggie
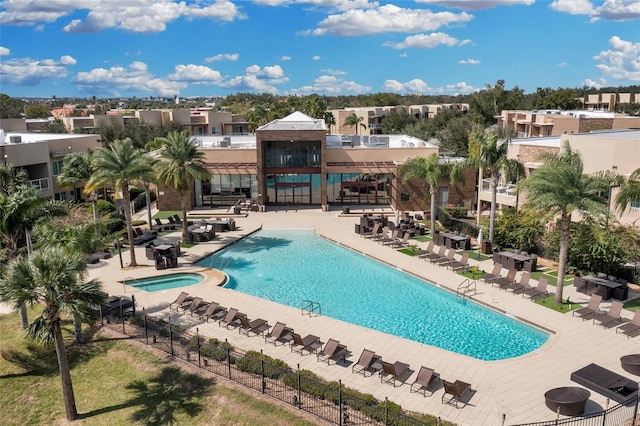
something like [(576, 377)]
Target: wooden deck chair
[(368, 362), (494, 274), (522, 284), (215, 311), (505, 282), (426, 378), (391, 239), (231, 319), (630, 327), (421, 253), (309, 343), (591, 309), (381, 235), (373, 232), (193, 306), (401, 242), (332, 349), (257, 326), (279, 333), (449, 256), (453, 392), (613, 314), (392, 373), (435, 255), (540, 290), (460, 265), (182, 298)]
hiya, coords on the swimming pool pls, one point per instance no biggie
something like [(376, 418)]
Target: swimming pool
[(164, 282), (289, 266)]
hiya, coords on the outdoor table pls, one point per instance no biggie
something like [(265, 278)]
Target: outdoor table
[(162, 248), (631, 363), (518, 259), (455, 240), (570, 400), (601, 286)]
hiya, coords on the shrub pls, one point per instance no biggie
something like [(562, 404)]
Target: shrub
[(456, 212), (215, 350), (252, 363), (104, 207)]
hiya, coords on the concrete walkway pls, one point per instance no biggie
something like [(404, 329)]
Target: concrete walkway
[(513, 388)]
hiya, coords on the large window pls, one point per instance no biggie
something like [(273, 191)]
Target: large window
[(225, 190), (359, 188), (293, 188), (291, 154)]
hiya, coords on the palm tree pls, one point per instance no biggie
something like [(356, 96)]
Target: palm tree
[(559, 187), (492, 160), (53, 277), (354, 120), (12, 177), (180, 165), (629, 192), (20, 211), (76, 168), (119, 166), (429, 170)]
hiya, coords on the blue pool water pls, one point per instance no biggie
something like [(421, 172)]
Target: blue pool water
[(289, 266), (165, 282)]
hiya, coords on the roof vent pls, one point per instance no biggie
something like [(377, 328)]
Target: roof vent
[(15, 139)]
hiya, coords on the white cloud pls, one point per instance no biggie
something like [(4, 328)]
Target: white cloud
[(134, 78), (594, 84), (223, 57), (403, 55), (196, 74), (385, 19), (469, 62), (476, 4), (256, 78), (68, 60), (31, 72), (426, 41), (285, 58), (146, 16), (333, 72), (332, 4), (573, 7), (562, 65), (4, 51), (621, 61), (332, 85), (418, 86), (315, 58), (612, 10), (619, 10)]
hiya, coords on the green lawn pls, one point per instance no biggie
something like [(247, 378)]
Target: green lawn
[(116, 383), (551, 276), (632, 305), (548, 302)]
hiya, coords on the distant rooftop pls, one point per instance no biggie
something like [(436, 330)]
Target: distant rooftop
[(295, 121)]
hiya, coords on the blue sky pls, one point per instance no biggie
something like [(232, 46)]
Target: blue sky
[(187, 48)]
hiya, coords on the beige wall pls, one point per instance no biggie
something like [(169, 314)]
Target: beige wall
[(13, 124)]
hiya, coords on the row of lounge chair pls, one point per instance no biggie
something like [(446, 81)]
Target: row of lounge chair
[(398, 372), (444, 257), (368, 363), (610, 316), (280, 333), (509, 282)]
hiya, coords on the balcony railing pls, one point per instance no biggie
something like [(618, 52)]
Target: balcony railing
[(508, 189), (42, 184)]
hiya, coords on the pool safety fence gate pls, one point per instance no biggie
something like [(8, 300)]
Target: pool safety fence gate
[(331, 402)]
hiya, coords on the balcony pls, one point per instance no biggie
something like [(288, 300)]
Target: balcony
[(504, 189), (42, 184)]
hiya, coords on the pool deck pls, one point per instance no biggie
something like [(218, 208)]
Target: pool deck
[(514, 387)]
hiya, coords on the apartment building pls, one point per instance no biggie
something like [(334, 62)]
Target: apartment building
[(617, 151), (545, 123), (42, 155), (608, 101), (371, 117), (292, 161)]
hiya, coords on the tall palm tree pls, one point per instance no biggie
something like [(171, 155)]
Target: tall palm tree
[(558, 188), (492, 160), (428, 170), (120, 166), (629, 192), (76, 168), (353, 120), (53, 278), (181, 163)]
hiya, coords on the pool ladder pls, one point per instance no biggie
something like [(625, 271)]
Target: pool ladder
[(130, 279), (465, 286), (311, 308)]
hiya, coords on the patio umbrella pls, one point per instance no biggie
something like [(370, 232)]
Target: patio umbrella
[(479, 242), (397, 217)]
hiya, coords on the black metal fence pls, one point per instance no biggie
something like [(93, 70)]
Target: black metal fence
[(331, 402)]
